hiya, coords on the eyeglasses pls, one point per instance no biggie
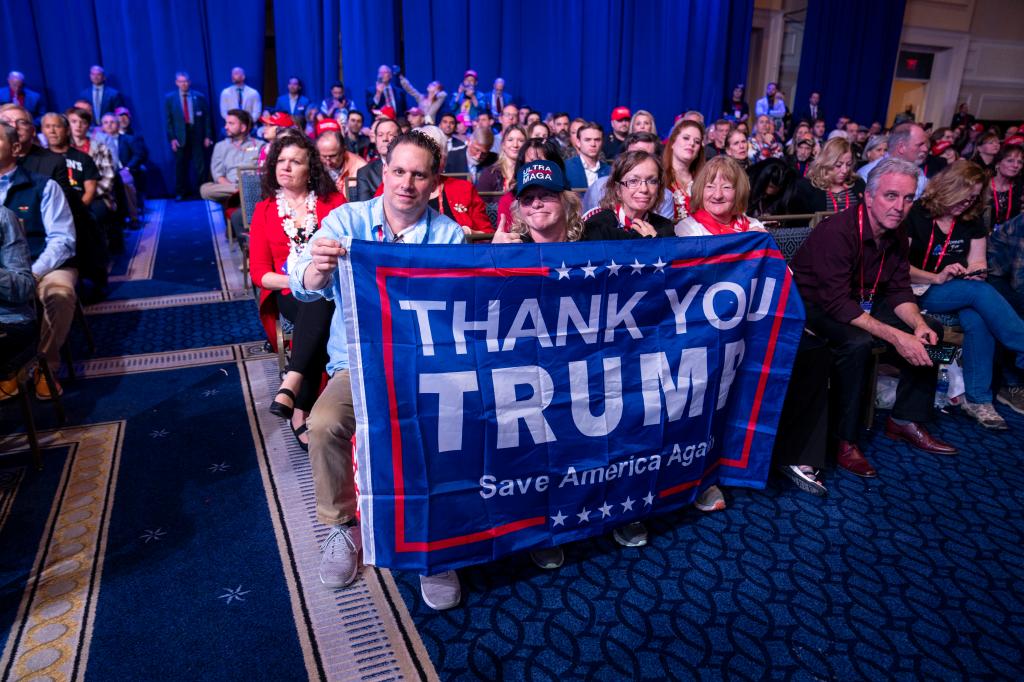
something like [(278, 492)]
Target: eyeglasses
[(633, 183)]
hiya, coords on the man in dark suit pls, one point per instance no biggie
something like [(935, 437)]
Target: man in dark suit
[(17, 93), (498, 98), (385, 94), (129, 153), (475, 156), (104, 99), (368, 177), (294, 102), (812, 112), (190, 131)]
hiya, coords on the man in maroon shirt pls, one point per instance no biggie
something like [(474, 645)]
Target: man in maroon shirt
[(854, 277)]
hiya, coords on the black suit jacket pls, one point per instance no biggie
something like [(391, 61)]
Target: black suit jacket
[(457, 162), (368, 180), (131, 151), (373, 103)]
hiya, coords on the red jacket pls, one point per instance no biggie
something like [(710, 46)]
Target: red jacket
[(466, 203), (268, 251)]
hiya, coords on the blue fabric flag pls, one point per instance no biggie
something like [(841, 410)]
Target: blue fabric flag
[(515, 397)]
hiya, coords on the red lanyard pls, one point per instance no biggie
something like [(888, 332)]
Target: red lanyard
[(881, 266), (995, 202), (931, 241), (835, 204)]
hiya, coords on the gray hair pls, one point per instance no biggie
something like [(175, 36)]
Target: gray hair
[(889, 166), (901, 135), (874, 141)]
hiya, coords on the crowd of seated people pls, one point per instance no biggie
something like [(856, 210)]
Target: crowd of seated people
[(914, 222)]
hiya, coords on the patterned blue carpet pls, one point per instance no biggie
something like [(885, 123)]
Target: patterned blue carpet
[(915, 575)]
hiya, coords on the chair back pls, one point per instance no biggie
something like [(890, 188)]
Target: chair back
[(790, 239), (249, 180), (350, 188), (491, 200)]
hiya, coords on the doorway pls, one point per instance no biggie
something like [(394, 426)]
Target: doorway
[(906, 92)]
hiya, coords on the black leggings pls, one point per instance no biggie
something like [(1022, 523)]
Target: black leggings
[(312, 323)]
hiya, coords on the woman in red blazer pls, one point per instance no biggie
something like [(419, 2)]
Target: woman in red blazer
[(299, 194)]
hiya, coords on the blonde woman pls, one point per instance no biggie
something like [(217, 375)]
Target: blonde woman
[(830, 184), (643, 122), (501, 176)]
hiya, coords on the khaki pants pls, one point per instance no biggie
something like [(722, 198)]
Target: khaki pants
[(217, 191), (332, 423), (56, 290)]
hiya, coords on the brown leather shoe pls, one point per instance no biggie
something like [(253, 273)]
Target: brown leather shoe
[(916, 435), (853, 460)]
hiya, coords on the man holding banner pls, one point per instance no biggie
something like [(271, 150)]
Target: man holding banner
[(399, 216)]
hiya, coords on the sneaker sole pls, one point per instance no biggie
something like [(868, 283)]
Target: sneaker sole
[(337, 585), (440, 607), (625, 543), (1005, 401), (804, 485), (707, 508)]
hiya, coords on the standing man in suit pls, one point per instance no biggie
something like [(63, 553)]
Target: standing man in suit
[(368, 177), (812, 112), (498, 98), (385, 94), (189, 131), (104, 99), (294, 102), (129, 154), (584, 170), (17, 93), (238, 95)]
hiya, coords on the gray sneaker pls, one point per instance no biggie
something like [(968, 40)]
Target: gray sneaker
[(339, 563), (441, 591), (631, 535), (711, 500), (984, 414), (548, 558), (1012, 397)]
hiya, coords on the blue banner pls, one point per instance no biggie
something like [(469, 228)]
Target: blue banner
[(516, 397)]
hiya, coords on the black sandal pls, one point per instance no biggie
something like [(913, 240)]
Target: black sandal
[(280, 409), (298, 432)]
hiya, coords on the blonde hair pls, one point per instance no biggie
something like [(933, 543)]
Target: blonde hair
[(572, 207), (643, 112), (953, 185), (826, 160), (505, 167), (730, 170)]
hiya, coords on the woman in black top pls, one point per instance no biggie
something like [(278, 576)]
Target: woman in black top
[(948, 263), (830, 185), (634, 189), (1005, 188), (736, 108)]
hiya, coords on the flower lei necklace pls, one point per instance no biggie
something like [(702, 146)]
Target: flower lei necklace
[(298, 236)]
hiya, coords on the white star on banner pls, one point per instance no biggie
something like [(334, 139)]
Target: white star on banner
[(659, 265), (584, 515), (649, 499), (589, 270), (614, 268), (233, 595), (637, 266), (563, 272), (605, 510), (559, 519), (627, 505)]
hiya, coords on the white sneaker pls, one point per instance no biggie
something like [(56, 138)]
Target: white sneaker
[(441, 591), (711, 500), (985, 414), (339, 563)]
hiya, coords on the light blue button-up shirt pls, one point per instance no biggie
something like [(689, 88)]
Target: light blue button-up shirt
[(922, 179), (363, 220), (57, 220)]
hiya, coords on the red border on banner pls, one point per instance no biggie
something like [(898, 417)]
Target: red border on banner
[(382, 275)]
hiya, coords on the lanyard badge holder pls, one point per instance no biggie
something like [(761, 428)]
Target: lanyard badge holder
[(867, 298)]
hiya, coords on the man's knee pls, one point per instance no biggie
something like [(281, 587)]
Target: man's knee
[(856, 346), (332, 415)]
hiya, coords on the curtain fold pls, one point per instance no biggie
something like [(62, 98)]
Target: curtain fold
[(850, 57), (307, 45)]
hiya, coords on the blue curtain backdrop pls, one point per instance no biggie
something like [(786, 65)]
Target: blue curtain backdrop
[(850, 57), (141, 45), (580, 56)]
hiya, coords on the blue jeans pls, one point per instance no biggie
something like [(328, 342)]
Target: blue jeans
[(985, 316)]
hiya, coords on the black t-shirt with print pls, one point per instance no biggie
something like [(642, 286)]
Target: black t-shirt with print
[(81, 167), (921, 230)]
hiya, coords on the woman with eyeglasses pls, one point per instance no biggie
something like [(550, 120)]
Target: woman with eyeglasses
[(1005, 187), (633, 191), (830, 184), (948, 266), (721, 191)]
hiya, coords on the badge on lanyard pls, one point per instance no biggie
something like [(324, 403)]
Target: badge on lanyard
[(865, 305)]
